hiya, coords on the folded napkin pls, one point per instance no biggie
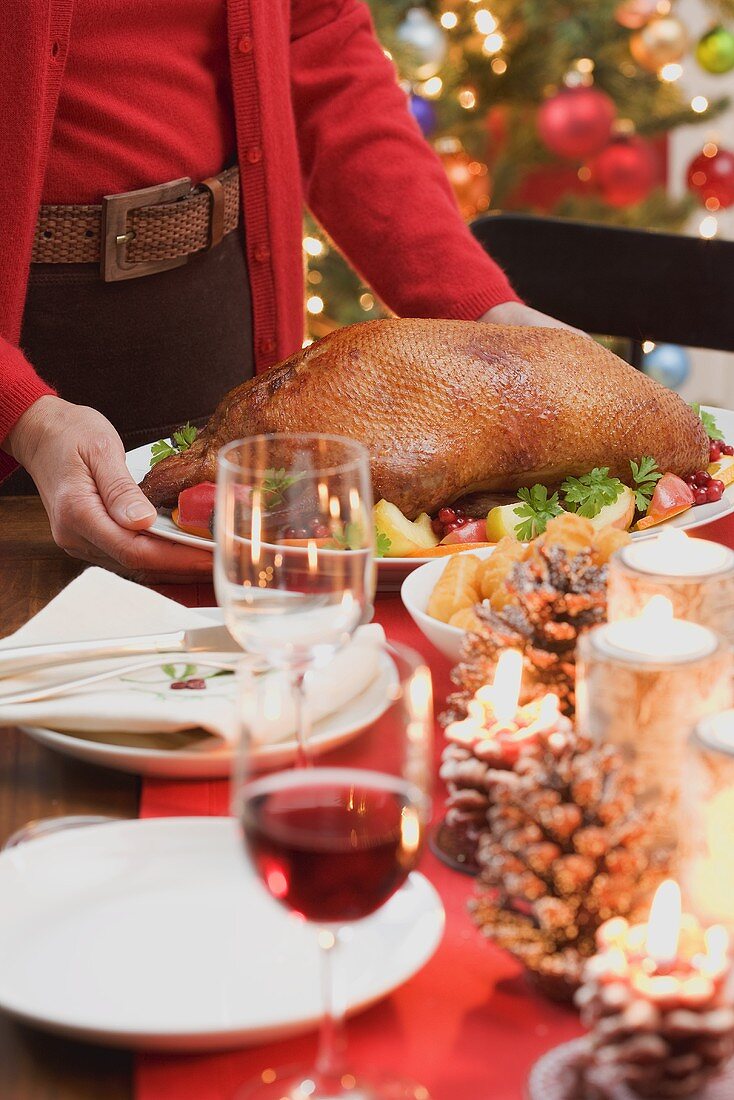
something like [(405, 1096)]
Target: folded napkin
[(99, 604)]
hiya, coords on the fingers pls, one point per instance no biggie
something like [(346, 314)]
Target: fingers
[(124, 501), (81, 526)]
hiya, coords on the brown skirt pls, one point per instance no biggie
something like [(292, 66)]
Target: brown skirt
[(149, 353)]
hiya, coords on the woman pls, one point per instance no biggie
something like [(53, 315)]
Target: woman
[(116, 327)]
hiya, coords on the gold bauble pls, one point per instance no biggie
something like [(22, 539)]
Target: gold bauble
[(661, 42), (469, 178)]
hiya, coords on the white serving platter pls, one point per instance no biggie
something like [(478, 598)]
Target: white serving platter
[(157, 935), (393, 571)]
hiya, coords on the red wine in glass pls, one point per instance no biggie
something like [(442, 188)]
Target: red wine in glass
[(333, 844)]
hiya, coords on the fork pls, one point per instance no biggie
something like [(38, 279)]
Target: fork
[(36, 695)]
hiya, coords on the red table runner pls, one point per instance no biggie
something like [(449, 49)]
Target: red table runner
[(467, 1025)]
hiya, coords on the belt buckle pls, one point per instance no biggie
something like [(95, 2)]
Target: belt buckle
[(115, 234)]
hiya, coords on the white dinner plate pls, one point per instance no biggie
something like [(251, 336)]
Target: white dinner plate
[(393, 571), (157, 935), (190, 755)]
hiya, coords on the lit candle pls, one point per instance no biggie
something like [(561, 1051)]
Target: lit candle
[(643, 684), (707, 816), (656, 636), (496, 728), (696, 575), (657, 996), (495, 734)]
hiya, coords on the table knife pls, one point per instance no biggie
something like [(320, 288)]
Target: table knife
[(24, 659)]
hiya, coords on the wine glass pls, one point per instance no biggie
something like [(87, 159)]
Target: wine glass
[(334, 841), (294, 567)]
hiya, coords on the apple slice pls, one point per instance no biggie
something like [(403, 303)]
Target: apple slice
[(619, 515), (723, 470), (503, 521), (405, 536), (472, 531)]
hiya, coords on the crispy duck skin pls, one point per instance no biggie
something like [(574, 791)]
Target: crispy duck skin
[(452, 407)]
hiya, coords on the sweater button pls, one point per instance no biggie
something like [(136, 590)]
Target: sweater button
[(245, 44), (254, 154), (267, 345), (262, 253)]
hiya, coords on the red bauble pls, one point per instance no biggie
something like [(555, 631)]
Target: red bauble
[(625, 172), (711, 177), (576, 122)]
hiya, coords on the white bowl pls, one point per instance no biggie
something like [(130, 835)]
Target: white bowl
[(416, 592)]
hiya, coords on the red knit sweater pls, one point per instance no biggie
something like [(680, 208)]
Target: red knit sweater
[(319, 117)]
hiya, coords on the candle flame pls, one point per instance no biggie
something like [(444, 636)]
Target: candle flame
[(716, 939), (672, 540), (507, 683), (663, 926), (548, 714), (657, 613)]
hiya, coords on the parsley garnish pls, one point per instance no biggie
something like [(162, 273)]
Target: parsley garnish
[(276, 483), (644, 476), (713, 431), (591, 492), (179, 441), (351, 538), (382, 544), (536, 510)]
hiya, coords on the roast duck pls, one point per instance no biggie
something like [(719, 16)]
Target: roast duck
[(449, 408)]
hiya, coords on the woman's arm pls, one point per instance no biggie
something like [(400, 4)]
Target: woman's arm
[(76, 458), (371, 178)]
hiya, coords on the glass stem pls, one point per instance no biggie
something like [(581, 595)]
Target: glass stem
[(303, 717), (332, 1036)]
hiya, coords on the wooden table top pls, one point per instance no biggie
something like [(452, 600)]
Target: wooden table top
[(37, 783)]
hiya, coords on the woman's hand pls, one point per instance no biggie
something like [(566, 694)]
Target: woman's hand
[(515, 313), (96, 510)]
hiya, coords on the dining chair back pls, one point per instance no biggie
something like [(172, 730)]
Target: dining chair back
[(631, 283)]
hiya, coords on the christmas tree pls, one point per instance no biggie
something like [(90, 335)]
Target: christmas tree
[(551, 106)]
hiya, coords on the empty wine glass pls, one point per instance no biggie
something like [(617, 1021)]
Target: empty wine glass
[(334, 841), (294, 566)]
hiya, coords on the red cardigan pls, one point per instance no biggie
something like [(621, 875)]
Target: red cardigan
[(320, 118)]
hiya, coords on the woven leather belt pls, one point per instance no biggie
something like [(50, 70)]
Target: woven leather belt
[(141, 232)]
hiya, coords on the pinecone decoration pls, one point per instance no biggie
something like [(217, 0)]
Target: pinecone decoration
[(552, 597), (565, 849), (655, 1051), (467, 769)]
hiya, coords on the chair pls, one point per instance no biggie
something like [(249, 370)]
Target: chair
[(630, 283)]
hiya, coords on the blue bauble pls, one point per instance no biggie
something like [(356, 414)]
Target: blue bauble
[(423, 112), (668, 364)]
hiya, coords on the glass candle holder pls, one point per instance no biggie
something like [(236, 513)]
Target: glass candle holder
[(707, 821), (696, 575), (642, 686)]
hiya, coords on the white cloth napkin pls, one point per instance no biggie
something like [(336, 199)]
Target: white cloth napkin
[(99, 604)]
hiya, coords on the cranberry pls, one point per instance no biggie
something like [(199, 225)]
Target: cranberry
[(447, 515), (452, 527), (700, 495), (690, 481), (727, 449), (714, 451), (460, 513), (702, 478), (178, 685), (321, 531), (437, 527), (195, 684), (714, 490)]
